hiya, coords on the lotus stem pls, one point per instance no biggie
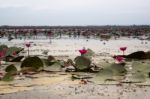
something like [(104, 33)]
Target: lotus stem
[(28, 51)]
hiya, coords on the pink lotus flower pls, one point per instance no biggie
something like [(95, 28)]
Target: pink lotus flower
[(28, 44), (119, 59), (123, 49), (83, 51)]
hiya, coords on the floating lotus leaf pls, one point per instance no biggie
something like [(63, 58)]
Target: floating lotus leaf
[(61, 63), (135, 78), (89, 53), (54, 67), (110, 73), (48, 63), (11, 69), (118, 69), (102, 76), (82, 62), (28, 69), (8, 77), (34, 63), (138, 66)]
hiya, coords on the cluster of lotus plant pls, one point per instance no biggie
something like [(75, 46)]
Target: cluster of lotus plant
[(36, 64), (7, 52), (81, 63)]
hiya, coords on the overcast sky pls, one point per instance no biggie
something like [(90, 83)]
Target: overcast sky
[(74, 12)]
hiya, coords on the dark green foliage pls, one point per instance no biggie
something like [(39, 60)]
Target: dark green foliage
[(82, 63), (11, 69), (148, 55), (32, 63), (137, 55)]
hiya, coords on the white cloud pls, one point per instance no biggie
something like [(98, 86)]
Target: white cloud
[(74, 12)]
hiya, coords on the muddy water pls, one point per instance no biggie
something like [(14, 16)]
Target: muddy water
[(77, 91)]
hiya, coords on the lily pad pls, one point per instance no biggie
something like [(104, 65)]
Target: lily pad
[(11, 69), (89, 53), (8, 77), (135, 78), (143, 68), (104, 77), (82, 63), (53, 67), (32, 63), (118, 69)]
